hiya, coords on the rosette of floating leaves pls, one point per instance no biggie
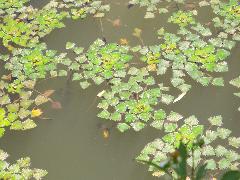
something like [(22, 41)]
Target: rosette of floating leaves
[(17, 104), (182, 18), (198, 55), (236, 82), (33, 63), (188, 54), (81, 8), (25, 26), (163, 56), (21, 169), (215, 156), (134, 101), (10, 7), (154, 6), (228, 18), (101, 62)]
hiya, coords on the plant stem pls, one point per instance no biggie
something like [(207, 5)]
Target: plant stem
[(192, 174)]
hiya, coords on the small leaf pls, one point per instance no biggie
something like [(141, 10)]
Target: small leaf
[(40, 99), (70, 45), (28, 124), (231, 175), (216, 120), (36, 112), (174, 117), (123, 127), (201, 172)]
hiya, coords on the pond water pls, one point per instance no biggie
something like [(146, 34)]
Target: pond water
[(70, 144)]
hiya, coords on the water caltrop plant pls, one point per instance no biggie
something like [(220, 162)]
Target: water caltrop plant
[(18, 106), (134, 103), (99, 63), (135, 79), (24, 25), (19, 170), (229, 19), (35, 63), (216, 157)]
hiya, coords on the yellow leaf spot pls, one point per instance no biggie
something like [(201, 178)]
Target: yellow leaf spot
[(158, 173), (36, 112), (123, 41), (137, 32), (116, 22), (10, 48), (152, 67), (105, 133)]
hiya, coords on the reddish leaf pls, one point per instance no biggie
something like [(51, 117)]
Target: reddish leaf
[(116, 22), (56, 105)]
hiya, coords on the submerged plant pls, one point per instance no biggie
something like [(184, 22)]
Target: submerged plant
[(216, 157), (19, 170)]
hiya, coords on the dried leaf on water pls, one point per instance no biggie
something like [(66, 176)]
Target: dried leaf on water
[(56, 105)]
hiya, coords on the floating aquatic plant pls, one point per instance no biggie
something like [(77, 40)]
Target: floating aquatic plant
[(23, 25), (236, 82), (187, 53), (29, 25), (133, 98), (215, 156), (19, 170), (155, 6), (134, 102), (228, 19), (33, 63), (81, 8), (101, 62), (18, 106), (182, 18)]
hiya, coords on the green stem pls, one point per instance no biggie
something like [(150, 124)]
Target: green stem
[(192, 174)]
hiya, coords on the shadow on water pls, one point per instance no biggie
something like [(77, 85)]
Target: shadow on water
[(71, 146)]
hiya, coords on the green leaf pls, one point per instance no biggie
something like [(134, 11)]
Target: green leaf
[(174, 117), (231, 175), (123, 127), (216, 120), (235, 142), (181, 168), (28, 124), (236, 82), (84, 84), (201, 172), (218, 82), (70, 45), (2, 130)]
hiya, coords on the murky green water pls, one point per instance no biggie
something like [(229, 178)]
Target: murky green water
[(71, 146)]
